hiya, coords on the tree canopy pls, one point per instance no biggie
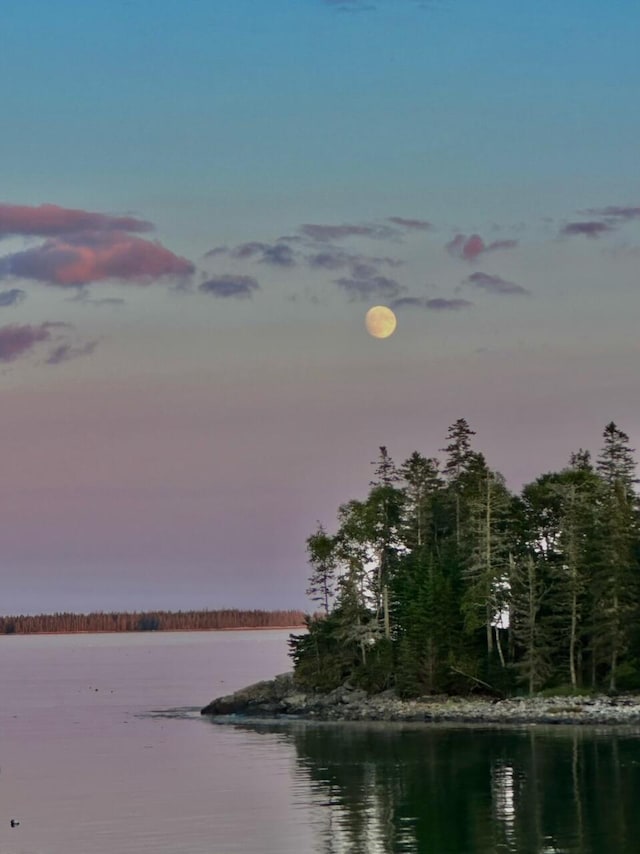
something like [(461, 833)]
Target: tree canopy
[(441, 579)]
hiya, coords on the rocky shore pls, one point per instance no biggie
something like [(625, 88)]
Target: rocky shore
[(280, 698)]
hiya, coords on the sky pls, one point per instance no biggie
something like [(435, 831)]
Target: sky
[(200, 200)]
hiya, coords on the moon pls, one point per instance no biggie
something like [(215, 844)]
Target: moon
[(380, 321)]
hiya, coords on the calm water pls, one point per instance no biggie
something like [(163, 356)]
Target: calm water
[(102, 750)]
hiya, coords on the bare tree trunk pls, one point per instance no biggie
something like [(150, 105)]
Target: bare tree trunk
[(385, 604), (487, 570), (572, 635), (499, 646), (614, 644)]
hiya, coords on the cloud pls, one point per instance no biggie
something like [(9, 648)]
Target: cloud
[(324, 233), (441, 304), (95, 256), (17, 340), (55, 221), (247, 250), (11, 297), (370, 287), (230, 285), (591, 229), (417, 224), (495, 285), (333, 258), (217, 250), (435, 304), (64, 352), (470, 248), (278, 254), (616, 212), (83, 296)]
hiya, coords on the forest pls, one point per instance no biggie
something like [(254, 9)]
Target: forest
[(162, 621), (442, 580)]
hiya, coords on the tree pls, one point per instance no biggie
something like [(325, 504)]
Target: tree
[(423, 482), (486, 572), (527, 594), (385, 516), (459, 460), (616, 581), (561, 529), (321, 549), (615, 462)]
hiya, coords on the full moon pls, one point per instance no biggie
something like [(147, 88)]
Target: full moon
[(380, 321)]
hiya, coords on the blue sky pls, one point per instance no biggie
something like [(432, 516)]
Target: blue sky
[(182, 352)]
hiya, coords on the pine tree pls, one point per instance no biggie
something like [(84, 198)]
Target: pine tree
[(487, 566), (321, 549), (527, 594), (616, 583), (423, 482), (385, 515), (458, 462)]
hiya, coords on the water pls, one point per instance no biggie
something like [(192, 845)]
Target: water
[(102, 749)]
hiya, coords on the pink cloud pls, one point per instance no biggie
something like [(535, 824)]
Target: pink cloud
[(52, 220), (16, 340), (95, 256), (469, 248)]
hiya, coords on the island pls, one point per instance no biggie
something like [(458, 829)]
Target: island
[(444, 596)]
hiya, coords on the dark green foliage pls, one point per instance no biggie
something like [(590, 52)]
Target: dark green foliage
[(320, 660), (450, 583)]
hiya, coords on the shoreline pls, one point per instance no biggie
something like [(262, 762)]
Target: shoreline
[(280, 699), (156, 631)]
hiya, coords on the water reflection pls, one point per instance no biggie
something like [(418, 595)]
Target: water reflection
[(414, 790)]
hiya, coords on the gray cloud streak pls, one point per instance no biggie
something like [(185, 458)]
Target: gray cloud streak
[(496, 285), (12, 297), (325, 233), (434, 304), (592, 229), (415, 224), (375, 286), (230, 286)]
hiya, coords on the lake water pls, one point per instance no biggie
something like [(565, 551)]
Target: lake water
[(103, 751)]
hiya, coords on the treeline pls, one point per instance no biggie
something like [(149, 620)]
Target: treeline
[(161, 621), (443, 580)]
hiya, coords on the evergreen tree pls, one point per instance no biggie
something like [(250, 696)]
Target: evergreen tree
[(459, 460), (423, 482), (527, 594), (416, 584), (384, 505), (616, 582), (486, 573), (321, 549)]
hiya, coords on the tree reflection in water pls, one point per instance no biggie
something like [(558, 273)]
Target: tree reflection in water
[(407, 789)]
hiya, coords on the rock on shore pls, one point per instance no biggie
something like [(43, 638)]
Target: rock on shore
[(281, 698)]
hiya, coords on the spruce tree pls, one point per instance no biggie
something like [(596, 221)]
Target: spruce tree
[(616, 583), (459, 460), (486, 573), (321, 549), (526, 579)]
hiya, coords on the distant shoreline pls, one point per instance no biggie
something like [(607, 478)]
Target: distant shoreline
[(121, 622), (157, 631)]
